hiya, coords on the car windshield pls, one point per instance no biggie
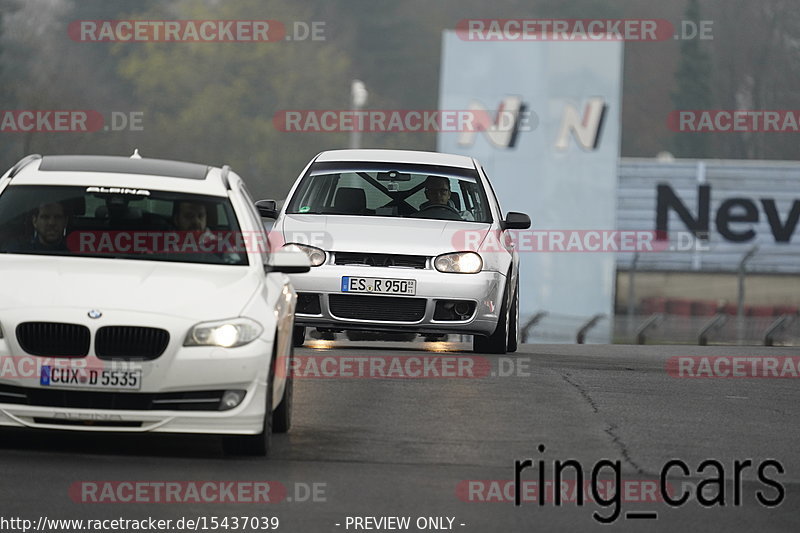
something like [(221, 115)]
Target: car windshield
[(119, 223), (391, 190)]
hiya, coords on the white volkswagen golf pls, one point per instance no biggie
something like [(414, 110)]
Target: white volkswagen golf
[(138, 295), (402, 241)]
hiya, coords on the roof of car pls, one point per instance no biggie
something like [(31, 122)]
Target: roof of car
[(113, 171), (397, 156), (123, 165)]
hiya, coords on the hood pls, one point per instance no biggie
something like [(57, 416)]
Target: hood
[(413, 236), (192, 291)]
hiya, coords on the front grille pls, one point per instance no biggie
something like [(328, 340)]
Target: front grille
[(130, 342), (380, 260), (53, 339), (308, 304), (378, 308), (136, 401)]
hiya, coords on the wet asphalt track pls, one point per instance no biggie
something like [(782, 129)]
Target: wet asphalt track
[(410, 447)]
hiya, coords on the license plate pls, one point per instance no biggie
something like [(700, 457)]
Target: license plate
[(406, 287), (92, 378)]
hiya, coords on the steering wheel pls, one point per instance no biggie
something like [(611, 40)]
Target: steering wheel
[(440, 211)]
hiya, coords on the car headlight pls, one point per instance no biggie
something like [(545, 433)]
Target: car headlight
[(315, 255), (459, 262), (224, 333)]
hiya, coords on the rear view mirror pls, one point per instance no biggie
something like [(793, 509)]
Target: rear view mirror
[(288, 262), (393, 175), (267, 208), (516, 221)]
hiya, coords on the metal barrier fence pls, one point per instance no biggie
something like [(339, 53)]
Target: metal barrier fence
[(660, 328)]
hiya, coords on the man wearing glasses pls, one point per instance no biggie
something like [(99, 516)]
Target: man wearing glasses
[(440, 203)]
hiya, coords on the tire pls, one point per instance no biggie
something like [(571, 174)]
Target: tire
[(282, 416), (298, 336), (513, 322), (261, 443), (497, 342)]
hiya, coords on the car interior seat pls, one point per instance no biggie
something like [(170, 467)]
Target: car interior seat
[(350, 201), (455, 199)]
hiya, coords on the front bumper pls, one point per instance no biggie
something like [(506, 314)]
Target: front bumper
[(246, 419), (178, 370), (485, 288)]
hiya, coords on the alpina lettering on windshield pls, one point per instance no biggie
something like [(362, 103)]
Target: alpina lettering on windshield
[(118, 190)]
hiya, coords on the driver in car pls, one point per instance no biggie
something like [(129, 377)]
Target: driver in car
[(50, 224), (437, 191)]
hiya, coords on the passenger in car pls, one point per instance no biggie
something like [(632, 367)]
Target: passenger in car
[(194, 217), (50, 226), (190, 216)]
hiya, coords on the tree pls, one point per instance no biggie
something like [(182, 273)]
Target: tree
[(758, 68), (215, 102), (693, 91)]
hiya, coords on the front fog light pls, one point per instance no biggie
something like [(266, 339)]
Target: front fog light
[(224, 333), (459, 262), (231, 399)]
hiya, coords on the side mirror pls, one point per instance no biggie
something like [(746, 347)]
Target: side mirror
[(288, 262), (516, 221), (267, 208)]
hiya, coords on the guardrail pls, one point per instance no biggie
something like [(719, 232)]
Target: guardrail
[(665, 328)]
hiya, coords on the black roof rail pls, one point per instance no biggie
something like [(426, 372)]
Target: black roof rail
[(22, 163), (224, 175)]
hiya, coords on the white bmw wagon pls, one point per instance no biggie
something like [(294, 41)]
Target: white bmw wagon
[(138, 295), (397, 242)]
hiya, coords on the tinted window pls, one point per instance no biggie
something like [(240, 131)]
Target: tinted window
[(128, 223)]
